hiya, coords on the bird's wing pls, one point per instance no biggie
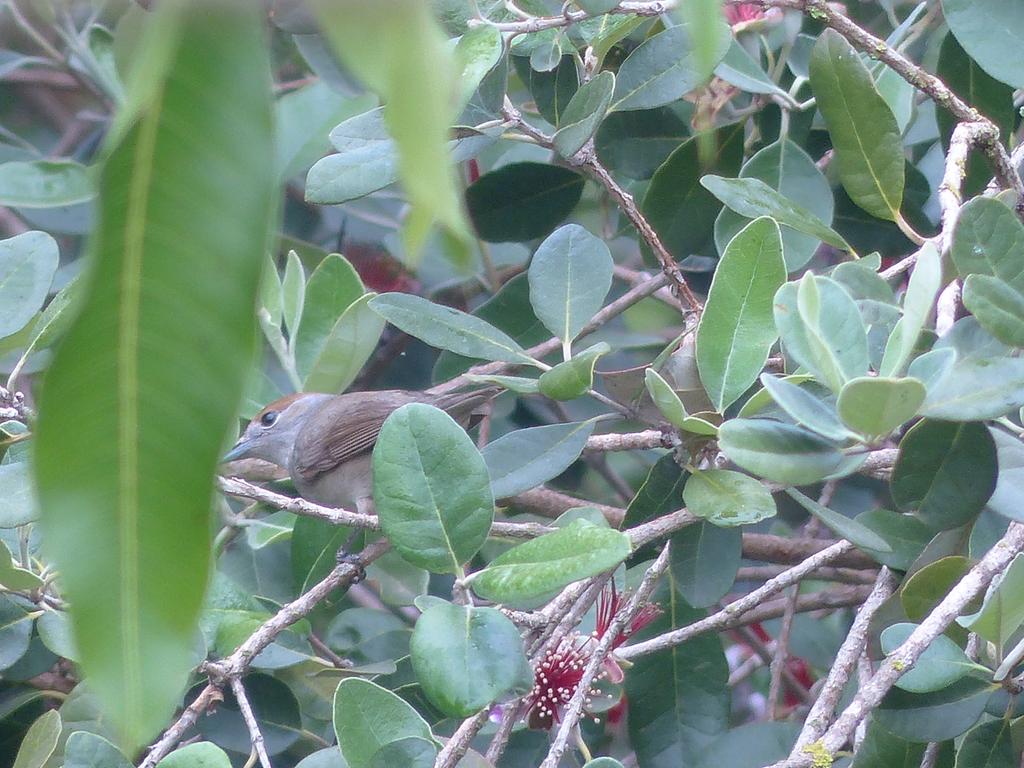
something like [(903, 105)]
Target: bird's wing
[(323, 448)]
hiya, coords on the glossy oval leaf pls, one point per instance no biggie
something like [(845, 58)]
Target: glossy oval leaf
[(997, 306), (840, 524), (40, 741), (366, 160), (1002, 612), (89, 750), (942, 663), (522, 201), (865, 136), (989, 30), (368, 717), (546, 564), (201, 754), (448, 328), (330, 290), (108, 483), (790, 171), (466, 658), (346, 348), (410, 752), (936, 716), (570, 276), (671, 406), (27, 264), (752, 198), (573, 378), (945, 472), (975, 389), (431, 488), (727, 498), (704, 561), (918, 302), (780, 452), (875, 406), (988, 239), (822, 330), (736, 330), (583, 114), (664, 67), (805, 408), (526, 458), (44, 183), (988, 745)]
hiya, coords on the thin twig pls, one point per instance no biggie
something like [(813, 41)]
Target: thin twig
[(903, 658), (459, 742), (255, 734), (721, 619)]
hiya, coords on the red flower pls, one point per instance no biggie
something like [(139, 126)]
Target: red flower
[(741, 12), (557, 677)]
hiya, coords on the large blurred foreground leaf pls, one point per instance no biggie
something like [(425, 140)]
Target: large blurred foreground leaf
[(135, 406)]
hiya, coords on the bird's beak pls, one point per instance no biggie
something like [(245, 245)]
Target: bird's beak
[(239, 451)]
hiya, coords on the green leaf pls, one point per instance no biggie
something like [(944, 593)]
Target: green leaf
[(476, 54), (752, 198), (18, 504), (679, 699), (805, 408), (988, 239), (881, 749), (736, 330), (410, 752), (181, 278), (431, 488), (822, 330), (659, 494), (1010, 485), (584, 114), (465, 658), (44, 184), (988, 745), (368, 717), (552, 91), (596, 7), (332, 288), (570, 275), (676, 186), (936, 716), (705, 558), (201, 754), (1002, 613), (524, 459), (990, 97), (348, 346), (865, 136), (53, 321), (976, 389), (518, 384), (603, 762), (875, 406), (448, 328), (522, 201), (988, 31), (40, 741), (672, 408), (27, 265), (790, 171), (997, 306), (727, 498), (635, 144), (666, 66), (739, 68), (293, 293), (840, 524), (546, 564), (329, 757), (780, 452), (748, 745), (400, 51), (12, 576), (922, 289), (942, 663), (88, 750), (367, 160), (15, 632), (945, 471), (906, 535), (303, 119), (573, 378)]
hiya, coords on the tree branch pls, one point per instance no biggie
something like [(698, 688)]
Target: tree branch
[(255, 735)]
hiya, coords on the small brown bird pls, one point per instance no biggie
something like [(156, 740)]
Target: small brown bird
[(325, 441)]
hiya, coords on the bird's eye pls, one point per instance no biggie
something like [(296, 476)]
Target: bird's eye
[(268, 418)]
